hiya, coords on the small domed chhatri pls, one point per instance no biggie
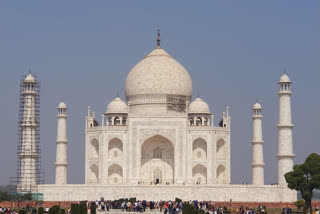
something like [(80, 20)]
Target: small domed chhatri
[(62, 105), (257, 106), (284, 79), (30, 78), (117, 106), (199, 106)]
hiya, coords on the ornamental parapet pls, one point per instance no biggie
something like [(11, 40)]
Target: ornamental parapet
[(116, 128), (199, 127)]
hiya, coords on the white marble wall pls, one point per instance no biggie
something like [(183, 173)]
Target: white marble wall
[(245, 193), (194, 148)]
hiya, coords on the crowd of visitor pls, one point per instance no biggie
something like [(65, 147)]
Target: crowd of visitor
[(165, 207)]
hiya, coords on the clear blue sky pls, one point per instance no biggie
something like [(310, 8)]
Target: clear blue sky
[(235, 52)]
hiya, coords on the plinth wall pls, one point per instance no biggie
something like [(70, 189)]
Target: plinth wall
[(222, 193)]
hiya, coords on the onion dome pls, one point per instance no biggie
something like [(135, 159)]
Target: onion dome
[(198, 106), (256, 106), (284, 79), (29, 79), (62, 105), (117, 106), (158, 74)]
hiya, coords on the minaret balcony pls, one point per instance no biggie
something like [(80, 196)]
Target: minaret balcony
[(284, 92), (284, 156), (30, 93), (288, 126), (61, 164), (257, 164), (62, 141), (257, 142)]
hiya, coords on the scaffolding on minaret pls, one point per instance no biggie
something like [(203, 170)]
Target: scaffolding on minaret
[(29, 173)]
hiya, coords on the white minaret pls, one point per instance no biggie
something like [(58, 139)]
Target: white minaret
[(61, 156), (257, 146), (29, 150), (285, 151)]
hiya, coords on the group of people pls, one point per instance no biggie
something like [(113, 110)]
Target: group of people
[(140, 206), (8, 210), (260, 210), (166, 207)]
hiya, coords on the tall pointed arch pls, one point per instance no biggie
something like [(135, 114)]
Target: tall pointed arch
[(221, 173), (94, 148), (199, 174), (115, 174), (221, 149), (199, 148), (94, 174), (115, 148)]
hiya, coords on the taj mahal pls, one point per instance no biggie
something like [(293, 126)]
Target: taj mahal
[(160, 143)]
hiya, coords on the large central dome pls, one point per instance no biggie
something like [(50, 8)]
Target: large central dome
[(158, 74)]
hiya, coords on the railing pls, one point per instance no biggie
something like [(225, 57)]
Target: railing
[(148, 182)]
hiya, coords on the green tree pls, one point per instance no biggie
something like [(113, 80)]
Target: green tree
[(83, 208), (4, 196), (75, 208), (40, 210), (93, 208), (305, 178), (299, 204), (54, 210)]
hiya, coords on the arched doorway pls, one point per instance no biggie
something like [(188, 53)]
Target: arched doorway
[(199, 148), (157, 161), (115, 174), (115, 148), (221, 154), (94, 148), (199, 174), (221, 171), (94, 174), (157, 176)]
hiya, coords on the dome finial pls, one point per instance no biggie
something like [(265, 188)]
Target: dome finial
[(198, 95), (117, 93), (257, 100), (158, 38)]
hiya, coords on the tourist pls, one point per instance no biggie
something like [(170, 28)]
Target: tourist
[(108, 206), (122, 206), (129, 206), (144, 205)]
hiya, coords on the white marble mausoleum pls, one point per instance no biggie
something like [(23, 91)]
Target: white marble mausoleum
[(159, 143)]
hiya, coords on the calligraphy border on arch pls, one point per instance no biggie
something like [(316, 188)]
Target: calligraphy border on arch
[(168, 133)]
